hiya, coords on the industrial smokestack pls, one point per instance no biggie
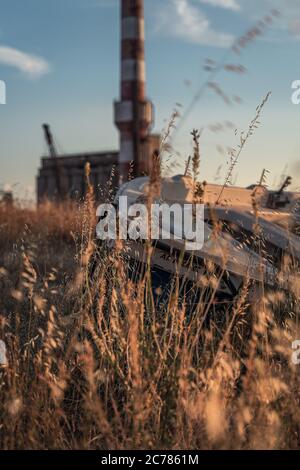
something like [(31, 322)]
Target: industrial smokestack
[(133, 113)]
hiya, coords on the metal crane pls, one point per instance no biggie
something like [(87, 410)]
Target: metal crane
[(60, 193)]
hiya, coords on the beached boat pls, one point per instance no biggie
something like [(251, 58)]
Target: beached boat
[(250, 233)]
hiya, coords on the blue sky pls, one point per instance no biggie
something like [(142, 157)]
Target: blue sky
[(60, 62)]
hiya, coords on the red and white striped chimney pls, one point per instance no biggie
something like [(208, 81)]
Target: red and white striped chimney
[(133, 113)]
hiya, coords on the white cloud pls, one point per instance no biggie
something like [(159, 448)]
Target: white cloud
[(286, 27), (185, 19), (182, 19), (228, 4), (32, 66)]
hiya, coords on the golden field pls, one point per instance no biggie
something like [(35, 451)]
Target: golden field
[(95, 363)]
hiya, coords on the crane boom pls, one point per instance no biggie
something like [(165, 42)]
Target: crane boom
[(49, 140), (53, 154)]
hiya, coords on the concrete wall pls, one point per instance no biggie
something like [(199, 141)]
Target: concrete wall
[(68, 172)]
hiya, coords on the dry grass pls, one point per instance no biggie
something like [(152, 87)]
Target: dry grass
[(95, 363)]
